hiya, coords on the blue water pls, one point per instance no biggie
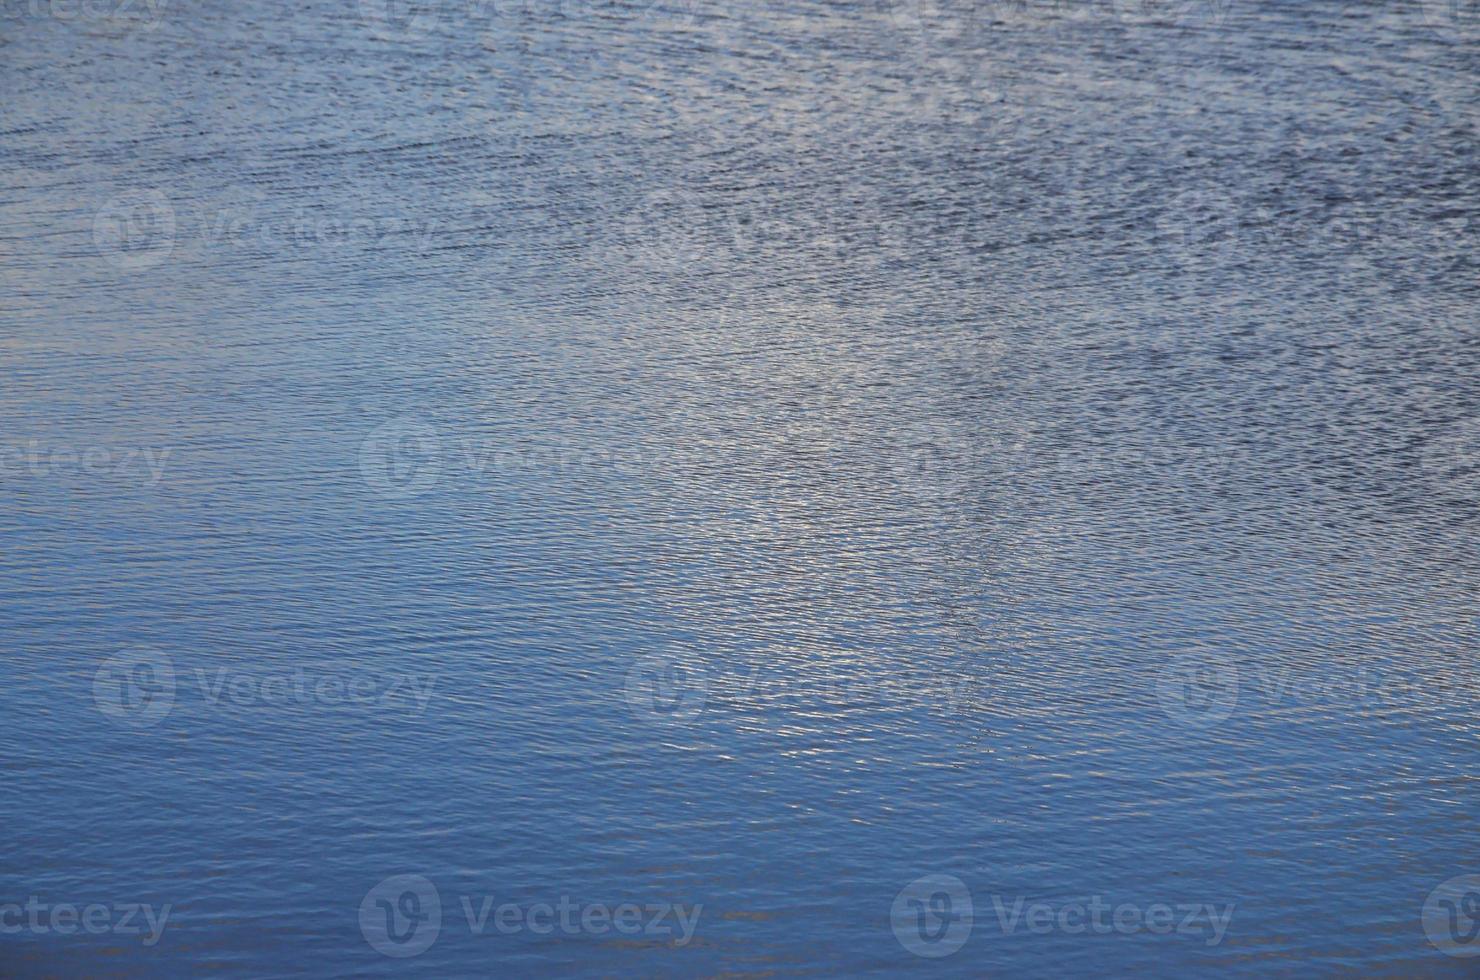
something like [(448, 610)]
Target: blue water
[(740, 460)]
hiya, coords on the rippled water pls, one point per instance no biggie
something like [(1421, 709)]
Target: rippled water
[(747, 458)]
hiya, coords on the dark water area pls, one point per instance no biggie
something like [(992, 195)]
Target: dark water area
[(781, 489)]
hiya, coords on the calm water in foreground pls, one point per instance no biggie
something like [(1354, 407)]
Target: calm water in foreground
[(672, 479)]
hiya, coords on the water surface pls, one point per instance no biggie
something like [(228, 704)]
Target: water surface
[(1027, 443)]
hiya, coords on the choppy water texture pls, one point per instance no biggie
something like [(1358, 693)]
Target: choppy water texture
[(805, 447)]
